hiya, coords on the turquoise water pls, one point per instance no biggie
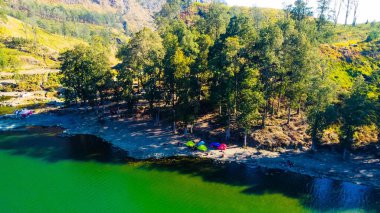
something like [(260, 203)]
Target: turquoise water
[(41, 172)]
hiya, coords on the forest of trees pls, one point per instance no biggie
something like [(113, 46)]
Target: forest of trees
[(60, 19), (61, 13), (210, 58)]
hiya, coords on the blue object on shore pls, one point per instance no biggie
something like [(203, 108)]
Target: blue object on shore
[(201, 143), (214, 145)]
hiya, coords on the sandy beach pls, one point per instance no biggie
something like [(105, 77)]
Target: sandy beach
[(142, 140)]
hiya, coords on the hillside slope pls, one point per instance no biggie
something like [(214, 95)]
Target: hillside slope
[(348, 60), (31, 47), (131, 15), (352, 53)]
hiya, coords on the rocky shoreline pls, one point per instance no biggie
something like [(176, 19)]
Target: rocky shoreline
[(142, 140)]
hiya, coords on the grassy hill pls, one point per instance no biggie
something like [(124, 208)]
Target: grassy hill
[(16, 28), (29, 54), (30, 47), (352, 53), (125, 15), (354, 33)]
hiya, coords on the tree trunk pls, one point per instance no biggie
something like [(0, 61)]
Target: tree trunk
[(174, 123), (228, 134), (314, 139), (348, 140), (236, 94), (299, 107), (348, 9), (264, 118), (289, 111), (314, 145), (157, 117), (138, 85), (185, 131), (220, 109), (356, 5), (338, 13), (245, 138), (279, 103), (173, 106)]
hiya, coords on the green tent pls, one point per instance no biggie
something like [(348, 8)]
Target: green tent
[(202, 148), (190, 144)]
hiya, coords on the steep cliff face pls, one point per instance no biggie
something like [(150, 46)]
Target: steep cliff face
[(139, 13)]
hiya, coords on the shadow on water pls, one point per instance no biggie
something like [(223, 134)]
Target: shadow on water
[(319, 194), (315, 193), (51, 148)]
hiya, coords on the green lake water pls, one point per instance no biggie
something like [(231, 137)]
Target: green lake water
[(41, 172)]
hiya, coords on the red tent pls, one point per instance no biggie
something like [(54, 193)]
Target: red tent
[(222, 146)]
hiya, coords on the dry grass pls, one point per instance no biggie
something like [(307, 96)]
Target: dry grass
[(16, 28), (366, 135)]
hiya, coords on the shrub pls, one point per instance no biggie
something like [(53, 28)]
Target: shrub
[(18, 43), (373, 35), (7, 60), (28, 82), (53, 81)]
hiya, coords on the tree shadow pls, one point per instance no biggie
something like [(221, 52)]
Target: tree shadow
[(51, 148), (318, 194)]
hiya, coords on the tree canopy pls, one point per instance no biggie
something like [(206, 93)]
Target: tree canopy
[(208, 58), (84, 71)]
